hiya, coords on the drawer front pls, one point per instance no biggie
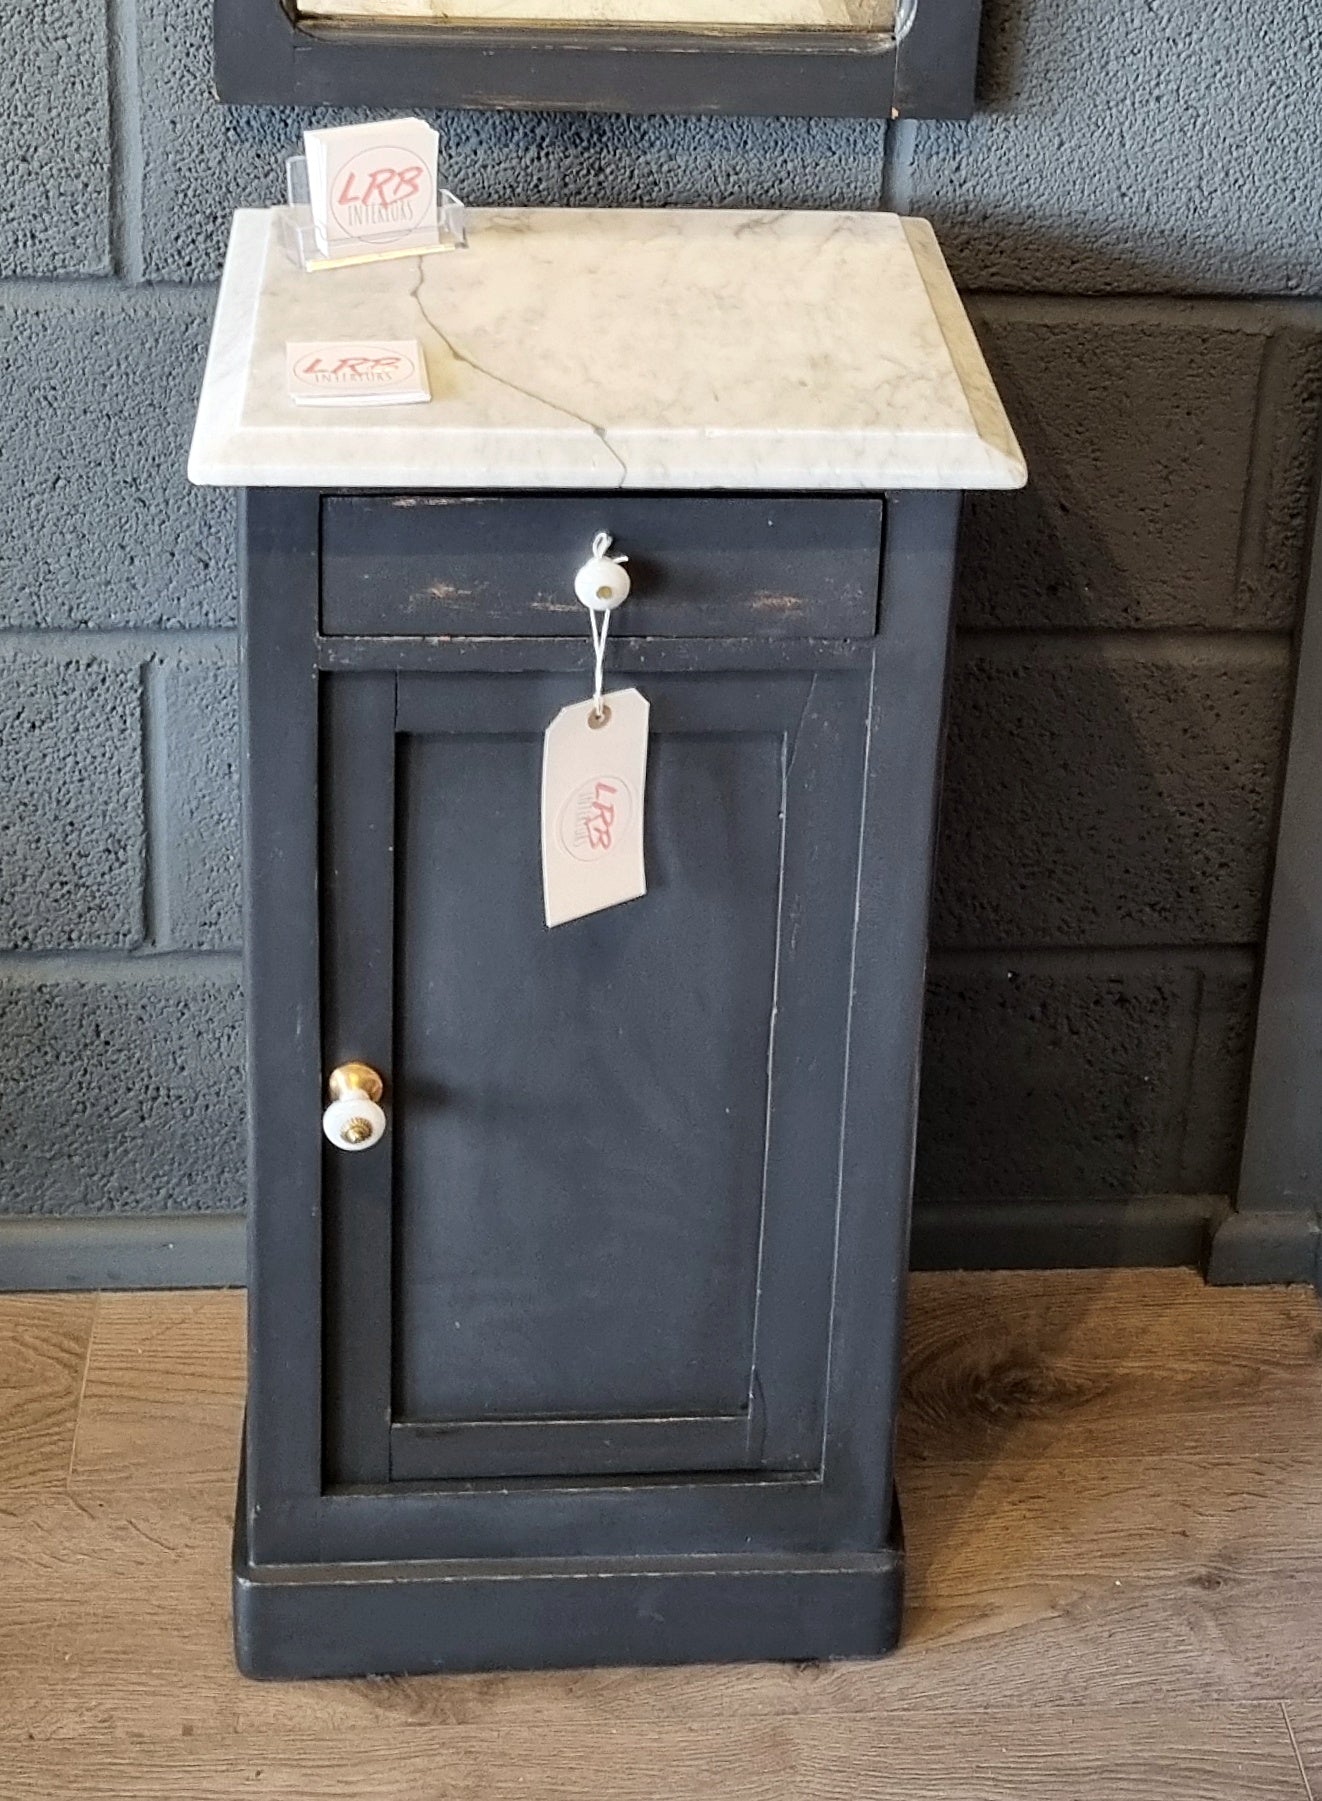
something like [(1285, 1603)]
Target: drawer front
[(715, 566)]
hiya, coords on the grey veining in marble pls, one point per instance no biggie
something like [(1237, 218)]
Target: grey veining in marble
[(580, 348)]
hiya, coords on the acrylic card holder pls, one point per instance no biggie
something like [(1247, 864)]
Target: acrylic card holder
[(299, 238)]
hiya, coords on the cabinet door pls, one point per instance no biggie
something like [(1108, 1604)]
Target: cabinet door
[(599, 1235)]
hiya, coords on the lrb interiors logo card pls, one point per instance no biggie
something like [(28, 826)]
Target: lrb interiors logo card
[(372, 187), (384, 372)]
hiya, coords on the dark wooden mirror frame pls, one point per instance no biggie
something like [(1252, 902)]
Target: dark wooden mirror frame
[(267, 56)]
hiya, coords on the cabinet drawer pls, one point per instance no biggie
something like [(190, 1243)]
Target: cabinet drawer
[(714, 566)]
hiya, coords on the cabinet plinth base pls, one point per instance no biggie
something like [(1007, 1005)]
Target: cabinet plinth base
[(378, 1619)]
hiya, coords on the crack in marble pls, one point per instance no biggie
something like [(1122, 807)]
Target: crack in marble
[(598, 431)]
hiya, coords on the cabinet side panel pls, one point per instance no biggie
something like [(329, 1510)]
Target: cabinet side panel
[(279, 770), (881, 1099)]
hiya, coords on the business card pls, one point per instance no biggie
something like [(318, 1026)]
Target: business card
[(372, 188), (357, 372)]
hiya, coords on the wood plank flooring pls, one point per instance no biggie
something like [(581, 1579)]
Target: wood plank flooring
[(1112, 1486)]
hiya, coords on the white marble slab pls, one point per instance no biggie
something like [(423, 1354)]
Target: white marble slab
[(619, 349), (727, 15)]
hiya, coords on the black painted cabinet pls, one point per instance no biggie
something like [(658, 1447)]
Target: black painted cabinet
[(593, 1357)]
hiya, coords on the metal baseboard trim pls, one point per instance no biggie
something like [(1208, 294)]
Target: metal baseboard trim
[(210, 1251), (1261, 1246), (1151, 1231), (159, 1251)]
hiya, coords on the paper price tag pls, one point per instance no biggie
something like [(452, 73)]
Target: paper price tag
[(593, 780)]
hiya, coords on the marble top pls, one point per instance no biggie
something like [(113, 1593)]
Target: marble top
[(610, 348)]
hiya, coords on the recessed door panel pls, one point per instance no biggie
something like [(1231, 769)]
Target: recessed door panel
[(581, 1112)]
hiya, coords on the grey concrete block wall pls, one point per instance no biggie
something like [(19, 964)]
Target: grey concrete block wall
[(55, 141), (1110, 790), (132, 1098), (1171, 453), (199, 753), (1141, 271), (74, 859), (1088, 1077), (100, 526), (1121, 691), (1166, 147)]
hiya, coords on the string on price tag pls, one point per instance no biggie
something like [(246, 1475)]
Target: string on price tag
[(594, 772)]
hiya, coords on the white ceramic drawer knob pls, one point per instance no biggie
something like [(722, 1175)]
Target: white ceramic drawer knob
[(355, 1120), (603, 581)]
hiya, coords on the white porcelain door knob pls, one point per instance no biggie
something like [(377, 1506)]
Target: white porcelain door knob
[(355, 1119), (602, 583)]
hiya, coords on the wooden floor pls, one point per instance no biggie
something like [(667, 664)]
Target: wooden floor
[(1113, 1500)]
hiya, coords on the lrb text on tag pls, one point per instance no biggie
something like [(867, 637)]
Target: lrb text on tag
[(594, 773)]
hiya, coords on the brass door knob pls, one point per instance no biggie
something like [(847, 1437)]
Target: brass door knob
[(354, 1121)]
